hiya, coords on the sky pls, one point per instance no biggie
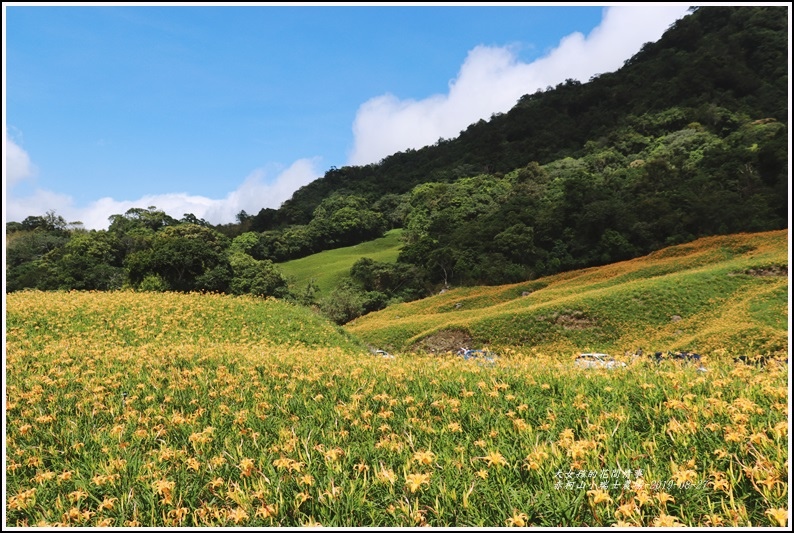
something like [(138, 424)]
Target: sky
[(213, 109)]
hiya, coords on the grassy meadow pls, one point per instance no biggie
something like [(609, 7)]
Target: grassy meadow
[(719, 295), (160, 409), (328, 268)]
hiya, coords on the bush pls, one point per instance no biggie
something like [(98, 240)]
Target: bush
[(153, 283), (343, 304)]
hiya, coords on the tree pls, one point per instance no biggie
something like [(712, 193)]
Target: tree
[(89, 261), (190, 218), (395, 281), (26, 249), (344, 220), (516, 243), (260, 278), (137, 217), (179, 255), (250, 243), (343, 304)]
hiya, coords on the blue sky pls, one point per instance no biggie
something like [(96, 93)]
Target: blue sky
[(211, 109)]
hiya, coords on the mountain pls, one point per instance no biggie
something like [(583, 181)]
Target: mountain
[(709, 66)]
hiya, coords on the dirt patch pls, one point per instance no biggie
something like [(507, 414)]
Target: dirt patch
[(570, 319), (444, 341), (575, 322), (773, 270)]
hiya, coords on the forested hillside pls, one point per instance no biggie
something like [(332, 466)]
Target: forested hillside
[(717, 66), (688, 139)]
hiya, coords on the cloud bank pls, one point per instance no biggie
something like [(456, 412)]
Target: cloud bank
[(17, 167), (264, 187), (492, 79)]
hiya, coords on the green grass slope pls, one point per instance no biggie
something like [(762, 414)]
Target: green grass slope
[(725, 294), (330, 267)]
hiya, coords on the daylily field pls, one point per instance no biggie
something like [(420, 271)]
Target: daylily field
[(132, 409)]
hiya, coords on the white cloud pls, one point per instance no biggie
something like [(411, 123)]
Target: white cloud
[(18, 166), (492, 79), (17, 208), (256, 191)]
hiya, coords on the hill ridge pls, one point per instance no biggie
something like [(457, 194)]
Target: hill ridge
[(590, 307)]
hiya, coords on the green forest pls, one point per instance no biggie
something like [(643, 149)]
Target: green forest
[(688, 139)]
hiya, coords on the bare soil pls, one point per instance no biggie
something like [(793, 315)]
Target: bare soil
[(444, 341), (774, 270)]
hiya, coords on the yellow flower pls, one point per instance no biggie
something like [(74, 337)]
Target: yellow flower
[(732, 435), (21, 500), (246, 467), (107, 503), (482, 473), (72, 515), (41, 477), (193, 464), (780, 515), (517, 520), (538, 455), (163, 487), (599, 496), (769, 481), (386, 475), (334, 454), (781, 429), (714, 520), (666, 520), (415, 481), (663, 498), (178, 514), (237, 515), (682, 476), (424, 458), (627, 509), (578, 449), (642, 498), (720, 482), (77, 495), (332, 493), (758, 438), (296, 466), (282, 462), (495, 458)]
